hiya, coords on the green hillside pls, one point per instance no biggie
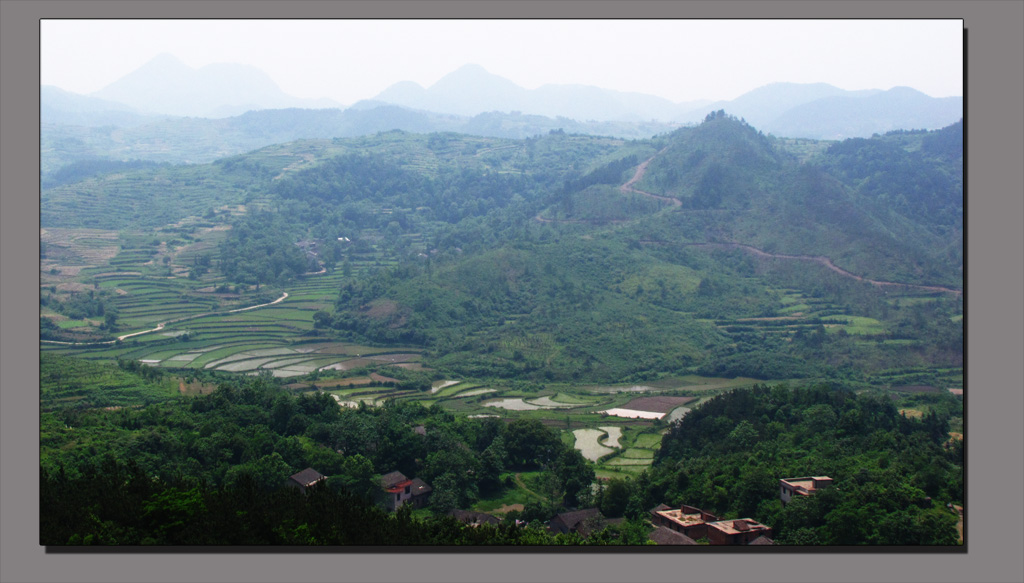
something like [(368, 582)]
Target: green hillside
[(713, 249)]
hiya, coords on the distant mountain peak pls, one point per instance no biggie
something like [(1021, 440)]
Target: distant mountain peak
[(468, 77), (168, 86)]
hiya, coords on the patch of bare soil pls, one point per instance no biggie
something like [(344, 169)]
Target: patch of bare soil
[(68, 270), (660, 404), (960, 521), (195, 388), (394, 358), (387, 310), (508, 508), (411, 366), (382, 378), (73, 286)]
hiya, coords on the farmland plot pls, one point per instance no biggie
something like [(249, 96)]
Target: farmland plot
[(614, 435), (587, 442), (517, 404), (547, 403)]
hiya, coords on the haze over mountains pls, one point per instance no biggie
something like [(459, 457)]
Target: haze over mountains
[(167, 87)]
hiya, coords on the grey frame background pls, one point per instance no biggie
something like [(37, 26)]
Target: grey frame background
[(995, 213)]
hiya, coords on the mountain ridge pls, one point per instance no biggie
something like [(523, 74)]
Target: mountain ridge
[(168, 86)]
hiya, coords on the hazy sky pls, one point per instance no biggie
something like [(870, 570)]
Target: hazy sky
[(680, 60)]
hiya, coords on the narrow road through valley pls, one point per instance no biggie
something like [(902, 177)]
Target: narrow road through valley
[(161, 325)]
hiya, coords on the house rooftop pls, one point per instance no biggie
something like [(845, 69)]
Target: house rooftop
[(394, 480), (474, 518), (308, 477), (737, 526), (574, 518), (420, 487), (807, 484), (683, 517), (667, 536)]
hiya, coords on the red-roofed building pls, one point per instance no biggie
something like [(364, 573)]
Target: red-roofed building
[(686, 520), (789, 487), (398, 490), (741, 531)]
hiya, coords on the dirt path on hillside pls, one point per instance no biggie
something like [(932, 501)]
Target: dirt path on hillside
[(959, 521), (277, 301), (827, 263), (161, 325), (519, 482), (639, 174), (642, 169), (625, 188)]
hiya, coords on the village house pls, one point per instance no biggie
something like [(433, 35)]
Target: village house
[(398, 490), (788, 487), (306, 479), (666, 536), (420, 491), (473, 518), (686, 520), (741, 531), (583, 522)]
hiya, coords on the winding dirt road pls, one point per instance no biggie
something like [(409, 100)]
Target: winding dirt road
[(161, 325), (827, 263), (625, 188), (640, 171)]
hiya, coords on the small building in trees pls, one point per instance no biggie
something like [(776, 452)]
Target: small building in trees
[(666, 536), (686, 520), (762, 540), (789, 487), (420, 493), (741, 531), (399, 489), (306, 479), (583, 522), (473, 518)]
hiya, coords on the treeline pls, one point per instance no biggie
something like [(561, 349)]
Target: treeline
[(923, 181), (212, 470), (73, 383), (261, 249), (894, 473), (255, 432), (118, 504), (78, 305), (82, 169)]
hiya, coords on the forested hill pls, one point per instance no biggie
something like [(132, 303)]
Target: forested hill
[(712, 248), (890, 469)]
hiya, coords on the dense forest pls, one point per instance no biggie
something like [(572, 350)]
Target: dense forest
[(893, 474), (211, 469)]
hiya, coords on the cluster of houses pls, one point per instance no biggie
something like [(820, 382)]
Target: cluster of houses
[(682, 525), (695, 524), (396, 488)]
